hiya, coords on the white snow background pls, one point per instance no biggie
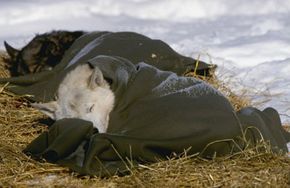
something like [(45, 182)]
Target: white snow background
[(248, 39)]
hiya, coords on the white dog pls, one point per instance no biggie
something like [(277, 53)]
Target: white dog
[(83, 94)]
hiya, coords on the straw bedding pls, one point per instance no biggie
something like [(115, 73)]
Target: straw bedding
[(20, 124)]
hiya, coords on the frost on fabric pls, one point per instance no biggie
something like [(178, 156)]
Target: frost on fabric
[(185, 86)]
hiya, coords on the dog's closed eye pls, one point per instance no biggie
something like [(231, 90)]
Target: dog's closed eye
[(91, 108)]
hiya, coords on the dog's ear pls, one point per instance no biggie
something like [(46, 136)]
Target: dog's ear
[(49, 108), (10, 50), (96, 79)]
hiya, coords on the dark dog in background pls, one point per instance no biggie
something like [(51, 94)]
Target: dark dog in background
[(43, 52)]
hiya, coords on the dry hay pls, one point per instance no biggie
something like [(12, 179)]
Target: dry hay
[(19, 125)]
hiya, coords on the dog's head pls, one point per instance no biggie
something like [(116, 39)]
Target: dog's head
[(43, 52), (85, 94)]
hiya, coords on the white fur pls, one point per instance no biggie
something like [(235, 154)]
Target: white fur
[(82, 94)]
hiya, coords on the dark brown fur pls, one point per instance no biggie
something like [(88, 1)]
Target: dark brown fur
[(43, 52)]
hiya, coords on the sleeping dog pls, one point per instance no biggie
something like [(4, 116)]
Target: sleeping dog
[(43, 52)]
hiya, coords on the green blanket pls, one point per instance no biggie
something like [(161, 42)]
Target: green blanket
[(156, 113)]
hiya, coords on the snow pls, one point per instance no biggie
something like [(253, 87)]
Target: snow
[(248, 39)]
